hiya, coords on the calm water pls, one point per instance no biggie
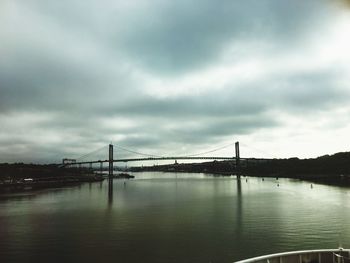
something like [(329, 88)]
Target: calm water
[(161, 217)]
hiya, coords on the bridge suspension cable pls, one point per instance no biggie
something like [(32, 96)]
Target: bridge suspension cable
[(140, 153), (258, 150), (161, 156), (211, 151), (91, 153), (80, 158)]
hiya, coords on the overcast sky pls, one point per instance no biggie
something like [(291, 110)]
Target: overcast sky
[(174, 77)]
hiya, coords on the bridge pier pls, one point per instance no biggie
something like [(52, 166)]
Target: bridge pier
[(238, 161), (110, 190), (110, 175), (101, 167)]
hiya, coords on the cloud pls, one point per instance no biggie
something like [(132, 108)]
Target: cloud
[(179, 36), (157, 74)]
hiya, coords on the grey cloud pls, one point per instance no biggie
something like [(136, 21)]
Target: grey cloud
[(39, 81), (310, 92), (213, 129), (172, 37), (161, 38), (186, 35), (212, 104)]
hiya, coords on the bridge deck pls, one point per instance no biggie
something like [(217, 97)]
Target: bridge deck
[(168, 158)]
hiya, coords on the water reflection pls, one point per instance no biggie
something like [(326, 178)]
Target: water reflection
[(110, 191), (158, 217), (239, 206)]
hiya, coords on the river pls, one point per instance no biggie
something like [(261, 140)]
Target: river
[(168, 217)]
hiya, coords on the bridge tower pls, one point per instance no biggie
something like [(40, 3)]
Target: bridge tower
[(238, 160), (110, 161)]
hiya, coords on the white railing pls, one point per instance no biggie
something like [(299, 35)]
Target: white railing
[(339, 255)]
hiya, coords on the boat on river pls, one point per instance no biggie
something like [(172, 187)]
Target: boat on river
[(339, 255), (124, 176)]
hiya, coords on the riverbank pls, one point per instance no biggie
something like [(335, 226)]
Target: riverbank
[(329, 169), (20, 177)]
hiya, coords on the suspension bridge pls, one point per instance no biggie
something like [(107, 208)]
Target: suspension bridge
[(236, 159)]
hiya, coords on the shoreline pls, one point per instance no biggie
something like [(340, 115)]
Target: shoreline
[(325, 179), (50, 182)]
